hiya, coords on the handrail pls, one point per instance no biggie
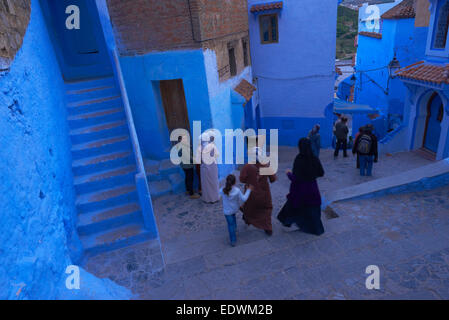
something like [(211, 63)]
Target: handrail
[(129, 116)]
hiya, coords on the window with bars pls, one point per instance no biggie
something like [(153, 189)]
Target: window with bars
[(269, 32), (441, 28)]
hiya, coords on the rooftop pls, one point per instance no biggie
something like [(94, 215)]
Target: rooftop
[(376, 35), (404, 10), (267, 6), (436, 74)]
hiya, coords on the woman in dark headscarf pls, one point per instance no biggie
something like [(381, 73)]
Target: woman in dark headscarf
[(303, 205)]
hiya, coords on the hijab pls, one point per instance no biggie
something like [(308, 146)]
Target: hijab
[(307, 167)]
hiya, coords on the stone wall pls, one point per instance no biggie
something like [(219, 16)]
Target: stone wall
[(143, 26), (14, 19)]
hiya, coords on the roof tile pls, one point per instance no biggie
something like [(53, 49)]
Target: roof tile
[(404, 10), (425, 72), (371, 34), (267, 6)]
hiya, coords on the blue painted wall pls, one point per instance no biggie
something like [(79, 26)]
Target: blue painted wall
[(296, 76), (37, 222), (373, 55), (142, 75), (81, 53), (37, 208)]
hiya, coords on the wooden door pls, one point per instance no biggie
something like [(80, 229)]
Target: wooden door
[(175, 106)]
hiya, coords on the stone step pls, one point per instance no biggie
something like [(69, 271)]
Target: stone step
[(110, 218), (422, 178), (105, 199), (105, 179), (114, 239), (96, 118), (100, 147), (97, 132), (102, 162)]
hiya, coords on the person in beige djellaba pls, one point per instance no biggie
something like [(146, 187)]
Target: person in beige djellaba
[(207, 154)]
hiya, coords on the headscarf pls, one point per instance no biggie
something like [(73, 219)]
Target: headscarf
[(307, 167)]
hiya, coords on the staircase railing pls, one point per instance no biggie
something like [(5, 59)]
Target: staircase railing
[(141, 178)]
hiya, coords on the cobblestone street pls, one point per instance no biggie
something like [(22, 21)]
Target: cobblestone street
[(405, 235)]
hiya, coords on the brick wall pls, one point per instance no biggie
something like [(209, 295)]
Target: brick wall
[(143, 26), (14, 20)]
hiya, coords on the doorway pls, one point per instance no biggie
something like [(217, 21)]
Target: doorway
[(82, 52), (432, 131), (175, 106)]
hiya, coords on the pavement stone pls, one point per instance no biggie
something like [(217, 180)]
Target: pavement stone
[(406, 235)]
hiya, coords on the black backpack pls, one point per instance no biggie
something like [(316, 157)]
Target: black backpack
[(364, 145)]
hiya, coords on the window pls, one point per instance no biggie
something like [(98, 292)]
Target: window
[(245, 52), (232, 62), (441, 28), (269, 28)]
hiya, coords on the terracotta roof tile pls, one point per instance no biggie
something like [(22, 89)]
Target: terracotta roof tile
[(371, 34), (245, 89), (425, 72), (267, 6), (404, 10)]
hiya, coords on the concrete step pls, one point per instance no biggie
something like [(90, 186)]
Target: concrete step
[(422, 178), (89, 84), (177, 182), (166, 167), (105, 199), (75, 96), (160, 188), (114, 239), (97, 104), (97, 132), (102, 162), (105, 179), (96, 118), (103, 220), (100, 147)]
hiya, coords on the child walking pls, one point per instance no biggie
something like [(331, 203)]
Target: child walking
[(233, 198)]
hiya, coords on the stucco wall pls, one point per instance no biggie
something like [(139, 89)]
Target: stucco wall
[(296, 76), (142, 75), (37, 197), (37, 221)]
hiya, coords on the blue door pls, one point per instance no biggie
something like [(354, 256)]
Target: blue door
[(433, 125), (82, 53)]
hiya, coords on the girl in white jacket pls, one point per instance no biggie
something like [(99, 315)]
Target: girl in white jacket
[(233, 198)]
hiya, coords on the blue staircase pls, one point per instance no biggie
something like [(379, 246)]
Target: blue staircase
[(104, 167)]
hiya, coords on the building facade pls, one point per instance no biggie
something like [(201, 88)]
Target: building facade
[(182, 65), (391, 37), (293, 46), (427, 80)]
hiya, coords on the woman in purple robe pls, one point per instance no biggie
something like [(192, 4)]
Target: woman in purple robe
[(303, 205)]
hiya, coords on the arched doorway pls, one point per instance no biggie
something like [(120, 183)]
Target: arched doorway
[(432, 131)]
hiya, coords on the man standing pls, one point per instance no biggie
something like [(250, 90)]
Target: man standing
[(341, 133), (366, 148), (187, 167)]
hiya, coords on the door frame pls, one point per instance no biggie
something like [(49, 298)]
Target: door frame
[(429, 114)]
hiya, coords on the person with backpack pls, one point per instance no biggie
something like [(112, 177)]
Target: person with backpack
[(366, 148)]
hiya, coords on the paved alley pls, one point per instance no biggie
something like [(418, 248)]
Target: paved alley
[(405, 235)]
